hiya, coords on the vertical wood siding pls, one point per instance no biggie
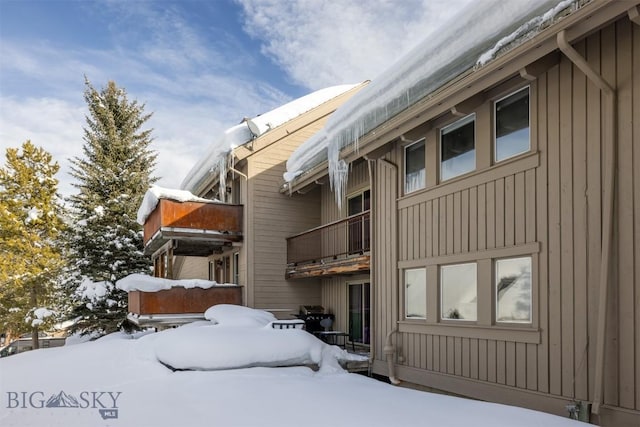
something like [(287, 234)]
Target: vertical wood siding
[(555, 202), (274, 217)]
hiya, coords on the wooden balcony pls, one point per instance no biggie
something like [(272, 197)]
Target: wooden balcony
[(195, 228), (178, 305), (339, 248)]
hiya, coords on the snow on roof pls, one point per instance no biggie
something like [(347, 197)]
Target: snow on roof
[(155, 193), (471, 39), (245, 132), (144, 283)]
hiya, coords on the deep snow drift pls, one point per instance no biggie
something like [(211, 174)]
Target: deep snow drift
[(122, 380)]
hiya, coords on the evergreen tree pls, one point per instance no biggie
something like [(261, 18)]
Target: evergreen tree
[(31, 257), (112, 178)]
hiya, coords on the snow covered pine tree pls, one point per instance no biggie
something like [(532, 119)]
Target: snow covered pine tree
[(112, 178), (30, 250)]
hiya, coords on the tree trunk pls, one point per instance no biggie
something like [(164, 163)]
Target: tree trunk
[(35, 340)]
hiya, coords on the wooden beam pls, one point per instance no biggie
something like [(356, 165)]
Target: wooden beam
[(330, 268)]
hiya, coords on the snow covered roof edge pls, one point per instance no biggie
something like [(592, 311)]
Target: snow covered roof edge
[(470, 39), (245, 132), (155, 193)]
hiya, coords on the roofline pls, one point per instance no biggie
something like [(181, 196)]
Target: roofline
[(280, 132), (578, 24)]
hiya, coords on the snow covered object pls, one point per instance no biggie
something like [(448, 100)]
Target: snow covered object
[(470, 40), (112, 177)]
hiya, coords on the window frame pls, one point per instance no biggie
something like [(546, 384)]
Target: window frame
[(441, 292), (363, 307), (422, 141), (450, 128), (495, 120), (364, 225), (426, 290), (529, 322)]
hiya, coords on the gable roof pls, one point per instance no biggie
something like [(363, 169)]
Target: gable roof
[(249, 129)]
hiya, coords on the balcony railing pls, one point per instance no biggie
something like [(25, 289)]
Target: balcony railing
[(337, 240), (195, 227)]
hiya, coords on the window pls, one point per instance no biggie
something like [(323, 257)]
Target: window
[(359, 225), (359, 312), (458, 289), (414, 166), (512, 125), (220, 270), (513, 290), (236, 268), (415, 293), (458, 148)]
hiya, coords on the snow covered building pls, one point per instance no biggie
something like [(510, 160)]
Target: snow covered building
[(496, 172), (229, 222)]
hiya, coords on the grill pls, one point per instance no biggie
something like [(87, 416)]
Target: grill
[(312, 315)]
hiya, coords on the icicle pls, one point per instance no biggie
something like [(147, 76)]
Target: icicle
[(222, 171)]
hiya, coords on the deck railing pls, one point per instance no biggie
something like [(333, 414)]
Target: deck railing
[(335, 240)]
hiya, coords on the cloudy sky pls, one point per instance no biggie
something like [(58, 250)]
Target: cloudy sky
[(200, 66)]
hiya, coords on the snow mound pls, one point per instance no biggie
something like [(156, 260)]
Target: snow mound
[(217, 347), (155, 193), (239, 316), (144, 283)]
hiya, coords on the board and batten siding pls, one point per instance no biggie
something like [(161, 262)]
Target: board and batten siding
[(547, 203), (272, 217)]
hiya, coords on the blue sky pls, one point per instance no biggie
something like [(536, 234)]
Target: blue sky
[(199, 66)]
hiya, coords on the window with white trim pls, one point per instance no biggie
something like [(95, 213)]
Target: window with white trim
[(414, 167), (512, 136), (459, 292), (415, 293), (513, 290), (458, 148)]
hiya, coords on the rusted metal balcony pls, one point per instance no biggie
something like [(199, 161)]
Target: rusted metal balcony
[(176, 306), (194, 228), (337, 248)]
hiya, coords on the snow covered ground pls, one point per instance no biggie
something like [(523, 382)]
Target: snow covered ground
[(124, 380)]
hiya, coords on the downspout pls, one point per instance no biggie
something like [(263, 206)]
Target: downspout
[(245, 221), (389, 349), (607, 211), (372, 295)]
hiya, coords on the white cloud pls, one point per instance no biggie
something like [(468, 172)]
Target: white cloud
[(194, 91), (326, 42)]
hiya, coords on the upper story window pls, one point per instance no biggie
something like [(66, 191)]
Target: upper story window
[(512, 125), (458, 148), (415, 293), (414, 166), (459, 292), (358, 228), (513, 290)]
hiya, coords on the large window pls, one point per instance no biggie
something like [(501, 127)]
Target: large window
[(513, 290), (458, 148), (359, 312), (512, 125), (415, 293), (459, 292), (359, 225), (414, 166)]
